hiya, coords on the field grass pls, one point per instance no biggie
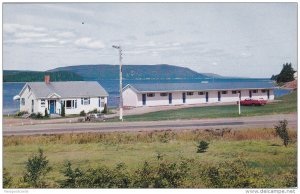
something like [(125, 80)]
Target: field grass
[(287, 104), (259, 147)]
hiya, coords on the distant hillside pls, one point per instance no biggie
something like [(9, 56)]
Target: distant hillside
[(101, 72), (33, 76)]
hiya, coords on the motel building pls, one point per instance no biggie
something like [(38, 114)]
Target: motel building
[(161, 94)]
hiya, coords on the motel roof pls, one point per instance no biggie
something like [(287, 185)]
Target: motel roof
[(66, 89), (163, 87)]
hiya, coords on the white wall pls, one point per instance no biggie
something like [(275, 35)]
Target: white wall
[(131, 98), (28, 96)]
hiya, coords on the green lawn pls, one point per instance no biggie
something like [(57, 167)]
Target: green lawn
[(260, 149), (288, 104)]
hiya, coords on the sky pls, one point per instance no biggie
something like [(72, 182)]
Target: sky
[(230, 39)]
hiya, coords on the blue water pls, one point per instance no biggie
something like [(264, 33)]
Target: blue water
[(112, 87)]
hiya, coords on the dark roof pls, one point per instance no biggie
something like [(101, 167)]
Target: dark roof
[(158, 87), (67, 89)]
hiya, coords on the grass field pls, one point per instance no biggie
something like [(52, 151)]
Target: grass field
[(260, 148), (287, 104)]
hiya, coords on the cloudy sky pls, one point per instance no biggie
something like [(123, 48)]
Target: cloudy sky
[(230, 39)]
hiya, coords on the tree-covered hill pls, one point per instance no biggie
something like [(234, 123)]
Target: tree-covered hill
[(34, 76)]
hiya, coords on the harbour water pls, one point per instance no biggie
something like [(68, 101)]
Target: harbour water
[(112, 87)]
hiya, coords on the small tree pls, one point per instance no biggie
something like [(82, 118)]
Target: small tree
[(62, 110), (286, 74), (37, 167), (46, 113), (202, 147), (282, 132)]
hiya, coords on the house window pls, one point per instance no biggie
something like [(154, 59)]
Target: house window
[(190, 93), (150, 94), (86, 101), (224, 92), (200, 93), (263, 91), (23, 101), (42, 102), (163, 94), (68, 103), (254, 91), (234, 92)]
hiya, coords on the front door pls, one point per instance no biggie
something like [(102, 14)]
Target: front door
[(183, 97), (170, 98), (206, 96), (52, 106), (219, 96), (144, 99), (268, 93)]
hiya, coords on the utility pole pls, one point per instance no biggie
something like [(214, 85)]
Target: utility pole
[(239, 102), (121, 92)]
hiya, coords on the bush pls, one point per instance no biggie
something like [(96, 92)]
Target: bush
[(105, 110), (63, 111), (36, 116), (7, 179), (21, 113), (282, 132), (37, 167), (93, 111), (71, 175), (233, 174), (202, 147), (82, 113), (46, 113)]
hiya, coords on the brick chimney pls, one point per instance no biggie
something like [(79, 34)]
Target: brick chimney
[(47, 79)]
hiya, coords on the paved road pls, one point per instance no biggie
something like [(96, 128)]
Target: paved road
[(235, 123)]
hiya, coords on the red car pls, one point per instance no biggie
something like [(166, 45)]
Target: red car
[(253, 102)]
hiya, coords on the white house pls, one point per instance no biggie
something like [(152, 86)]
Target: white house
[(135, 95), (75, 96)]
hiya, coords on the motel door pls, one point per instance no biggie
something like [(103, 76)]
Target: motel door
[(183, 97), (170, 98), (219, 96), (250, 94), (268, 93), (144, 99), (52, 106)]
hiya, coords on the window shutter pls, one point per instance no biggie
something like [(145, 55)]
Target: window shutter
[(89, 101), (81, 101), (75, 103)]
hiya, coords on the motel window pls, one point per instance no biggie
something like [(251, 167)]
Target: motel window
[(200, 93), (263, 91), (70, 104), (163, 94), (224, 92), (150, 94), (23, 101), (190, 93), (42, 102), (234, 92), (254, 91)]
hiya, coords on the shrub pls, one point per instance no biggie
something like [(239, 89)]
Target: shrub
[(233, 174), (202, 147), (36, 116), (282, 132), (63, 111), (46, 113), (94, 111), (105, 110), (82, 113), (21, 113), (71, 175), (37, 167), (7, 179)]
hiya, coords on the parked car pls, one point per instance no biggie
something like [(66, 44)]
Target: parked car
[(253, 102)]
